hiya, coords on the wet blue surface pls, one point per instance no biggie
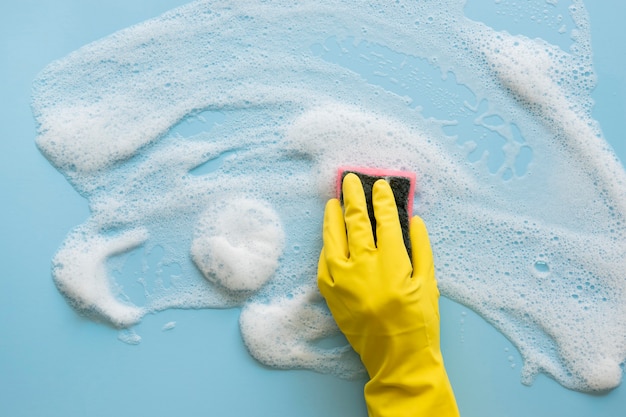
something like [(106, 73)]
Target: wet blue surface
[(55, 363)]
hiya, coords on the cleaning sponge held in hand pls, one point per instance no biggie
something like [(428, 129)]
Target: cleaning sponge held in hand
[(403, 185)]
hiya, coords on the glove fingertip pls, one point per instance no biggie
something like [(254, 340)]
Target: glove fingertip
[(334, 230), (418, 231), (422, 254)]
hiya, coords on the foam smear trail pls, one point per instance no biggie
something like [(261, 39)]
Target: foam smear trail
[(215, 130)]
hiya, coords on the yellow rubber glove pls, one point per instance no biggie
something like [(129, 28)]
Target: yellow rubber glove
[(387, 309)]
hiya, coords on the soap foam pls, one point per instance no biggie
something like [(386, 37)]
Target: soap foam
[(530, 234), (286, 336), (237, 244), (80, 272)]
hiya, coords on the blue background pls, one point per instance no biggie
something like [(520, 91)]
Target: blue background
[(55, 363)]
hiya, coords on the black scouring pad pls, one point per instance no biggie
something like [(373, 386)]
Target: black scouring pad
[(403, 185)]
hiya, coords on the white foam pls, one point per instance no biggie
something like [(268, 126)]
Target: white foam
[(286, 335), (170, 325), (129, 336), (530, 233), (237, 244), (79, 270)]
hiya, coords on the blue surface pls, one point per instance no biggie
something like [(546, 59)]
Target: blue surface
[(55, 363)]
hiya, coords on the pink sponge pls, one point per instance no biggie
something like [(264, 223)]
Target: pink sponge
[(403, 185)]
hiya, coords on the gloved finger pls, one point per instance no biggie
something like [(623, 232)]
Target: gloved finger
[(423, 264), (358, 225), (388, 229), (334, 233), (324, 278)]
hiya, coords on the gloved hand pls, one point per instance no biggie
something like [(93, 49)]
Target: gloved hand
[(387, 308)]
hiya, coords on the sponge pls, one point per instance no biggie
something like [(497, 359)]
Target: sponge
[(403, 185)]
